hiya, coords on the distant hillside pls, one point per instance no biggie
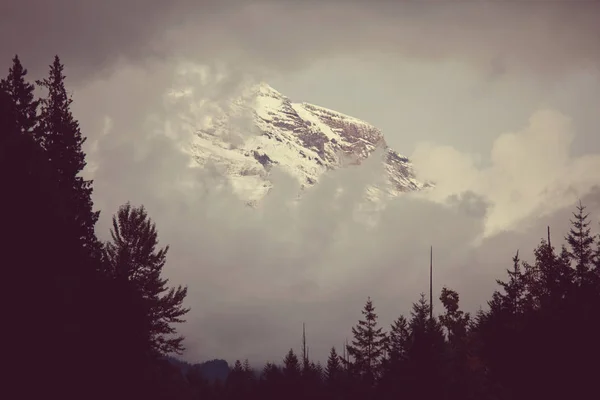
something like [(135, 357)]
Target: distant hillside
[(210, 370)]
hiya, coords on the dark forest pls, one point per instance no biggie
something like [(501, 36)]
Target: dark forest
[(86, 319)]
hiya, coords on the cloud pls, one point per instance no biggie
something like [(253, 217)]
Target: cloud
[(97, 37), (255, 275), (531, 171)]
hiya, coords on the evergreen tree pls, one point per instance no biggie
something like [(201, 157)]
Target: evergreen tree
[(271, 381), (514, 300), (391, 385), (596, 258), (549, 279), (596, 261), (334, 376), (270, 369), (454, 320), (235, 383), (63, 319), (22, 96), (312, 380), (551, 323), (237, 367), (59, 133), (333, 369), (368, 345), (425, 353), (319, 372), (456, 323), (133, 258), (249, 373), (500, 330), (580, 242), (291, 366), (523, 323), (292, 376), (398, 340), (580, 316), (270, 372)]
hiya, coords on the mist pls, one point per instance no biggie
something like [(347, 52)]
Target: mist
[(255, 275)]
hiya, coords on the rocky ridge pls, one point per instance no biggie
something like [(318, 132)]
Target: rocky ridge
[(263, 128)]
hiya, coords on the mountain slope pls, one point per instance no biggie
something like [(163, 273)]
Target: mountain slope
[(264, 128)]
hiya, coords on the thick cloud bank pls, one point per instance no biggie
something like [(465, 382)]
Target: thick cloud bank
[(531, 171)]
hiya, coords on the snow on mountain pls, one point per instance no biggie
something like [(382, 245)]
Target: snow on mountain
[(263, 128)]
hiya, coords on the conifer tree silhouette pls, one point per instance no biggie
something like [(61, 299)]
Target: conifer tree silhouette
[(367, 346), (580, 241), (59, 134), (133, 258), (21, 93)]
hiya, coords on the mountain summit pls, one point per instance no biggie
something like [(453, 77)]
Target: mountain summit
[(263, 128)]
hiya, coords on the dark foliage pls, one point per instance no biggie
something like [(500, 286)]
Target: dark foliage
[(22, 97), (367, 348), (136, 265), (59, 135), (80, 324)]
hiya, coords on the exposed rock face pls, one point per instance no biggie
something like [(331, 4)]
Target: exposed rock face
[(303, 139)]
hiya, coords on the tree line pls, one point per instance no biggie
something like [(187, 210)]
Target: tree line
[(92, 319), (85, 319)]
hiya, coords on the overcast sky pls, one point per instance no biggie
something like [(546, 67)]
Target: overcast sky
[(498, 102)]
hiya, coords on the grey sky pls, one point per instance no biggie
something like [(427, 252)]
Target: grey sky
[(497, 101), (450, 102)]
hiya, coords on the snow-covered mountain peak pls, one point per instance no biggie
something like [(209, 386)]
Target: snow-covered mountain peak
[(303, 139), (264, 88)]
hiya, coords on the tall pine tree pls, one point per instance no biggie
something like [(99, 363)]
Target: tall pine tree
[(398, 339), (394, 364), (271, 381), (133, 257), (456, 323), (21, 93), (581, 316), (249, 373), (425, 353), (368, 345), (235, 384), (580, 242), (292, 370), (513, 301), (62, 318), (291, 366), (333, 369), (59, 134)]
